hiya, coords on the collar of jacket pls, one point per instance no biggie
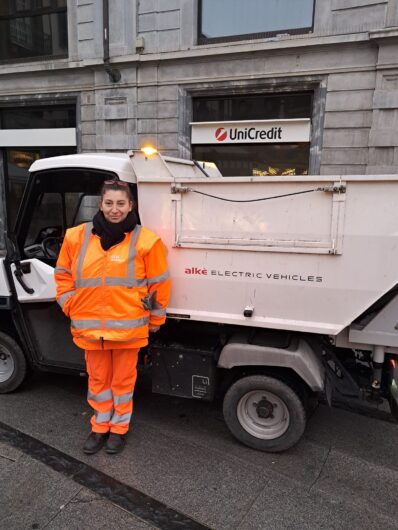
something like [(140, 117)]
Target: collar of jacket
[(113, 233)]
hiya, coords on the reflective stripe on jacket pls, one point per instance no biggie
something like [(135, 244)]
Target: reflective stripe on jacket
[(106, 293)]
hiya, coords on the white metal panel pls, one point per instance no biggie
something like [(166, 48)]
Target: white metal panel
[(118, 163), (63, 137), (299, 356), (298, 223), (317, 293), (40, 278)]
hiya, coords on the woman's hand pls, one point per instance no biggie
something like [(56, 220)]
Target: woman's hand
[(153, 329)]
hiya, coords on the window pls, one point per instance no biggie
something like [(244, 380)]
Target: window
[(257, 159), (56, 200), (46, 219), (226, 20), (17, 158), (32, 29), (252, 107), (52, 214), (44, 117), (84, 210), (17, 163)]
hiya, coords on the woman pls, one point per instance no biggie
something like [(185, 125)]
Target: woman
[(113, 283)]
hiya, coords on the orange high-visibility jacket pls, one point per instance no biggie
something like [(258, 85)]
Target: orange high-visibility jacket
[(110, 295)]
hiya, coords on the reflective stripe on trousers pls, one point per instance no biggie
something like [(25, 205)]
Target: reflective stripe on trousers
[(111, 380)]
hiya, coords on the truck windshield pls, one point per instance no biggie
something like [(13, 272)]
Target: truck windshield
[(55, 200)]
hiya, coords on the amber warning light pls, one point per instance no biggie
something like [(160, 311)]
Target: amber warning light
[(149, 150)]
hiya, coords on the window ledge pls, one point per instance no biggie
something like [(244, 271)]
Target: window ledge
[(197, 51), (249, 46), (44, 65), (386, 33)]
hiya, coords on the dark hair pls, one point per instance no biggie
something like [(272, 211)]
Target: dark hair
[(117, 185)]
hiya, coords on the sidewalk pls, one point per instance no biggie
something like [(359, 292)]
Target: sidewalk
[(34, 496), (45, 488)]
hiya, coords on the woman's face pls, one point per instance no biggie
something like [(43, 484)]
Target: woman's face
[(115, 205)]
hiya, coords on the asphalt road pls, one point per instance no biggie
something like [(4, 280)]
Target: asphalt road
[(182, 469)]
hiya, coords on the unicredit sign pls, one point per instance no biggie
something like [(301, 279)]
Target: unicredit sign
[(243, 132)]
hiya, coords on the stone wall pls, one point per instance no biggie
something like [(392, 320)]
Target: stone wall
[(350, 61)]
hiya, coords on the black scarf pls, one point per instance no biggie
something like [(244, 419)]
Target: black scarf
[(113, 233)]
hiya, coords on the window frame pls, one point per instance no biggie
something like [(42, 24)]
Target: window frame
[(30, 13), (315, 83), (201, 39)]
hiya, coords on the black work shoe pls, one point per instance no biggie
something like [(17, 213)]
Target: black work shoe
[(115, 443), (94, 442)]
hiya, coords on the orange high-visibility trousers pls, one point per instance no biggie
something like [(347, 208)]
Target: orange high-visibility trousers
[(111, 379)]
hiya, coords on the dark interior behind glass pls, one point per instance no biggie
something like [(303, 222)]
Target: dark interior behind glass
[(249, 159), (33, 29)]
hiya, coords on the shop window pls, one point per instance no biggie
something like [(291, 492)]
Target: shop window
[(235, 136), (257, 160), (33, 29), (226, 20)]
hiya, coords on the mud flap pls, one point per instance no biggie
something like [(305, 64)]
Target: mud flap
[(337, 377)]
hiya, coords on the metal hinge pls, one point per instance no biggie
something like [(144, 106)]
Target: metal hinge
[(334, 189), (180, 189)]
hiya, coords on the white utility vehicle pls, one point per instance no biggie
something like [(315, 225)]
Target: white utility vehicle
[(283, 288)]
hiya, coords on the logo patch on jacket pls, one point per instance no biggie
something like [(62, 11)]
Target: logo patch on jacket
[(117, 259)]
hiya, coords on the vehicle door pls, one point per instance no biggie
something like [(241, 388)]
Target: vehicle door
[(54, 200)]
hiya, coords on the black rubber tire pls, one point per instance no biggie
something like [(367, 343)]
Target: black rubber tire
[(297, 414), (11, 349)]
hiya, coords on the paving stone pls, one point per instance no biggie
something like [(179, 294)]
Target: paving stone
[(32, 494), (91, 512), (281, 506), (369, 439), (359, 482), (9, 453)]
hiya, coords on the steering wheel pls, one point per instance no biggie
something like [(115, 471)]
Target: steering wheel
[(51, 246), (48, 248)]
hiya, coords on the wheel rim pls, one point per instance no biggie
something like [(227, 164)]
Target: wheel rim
[(263, 414), (7, 366)]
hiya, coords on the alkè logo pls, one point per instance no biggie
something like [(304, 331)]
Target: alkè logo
[(196, 270), (221, 134)]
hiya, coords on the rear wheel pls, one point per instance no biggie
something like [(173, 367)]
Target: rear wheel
[(12, 364), (264, 413)]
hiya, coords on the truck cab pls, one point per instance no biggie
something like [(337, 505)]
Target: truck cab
[(57, 197)]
